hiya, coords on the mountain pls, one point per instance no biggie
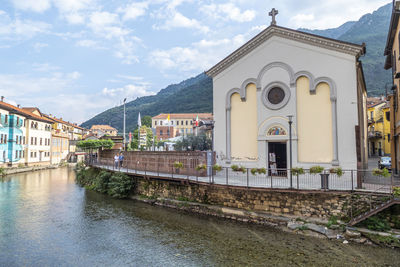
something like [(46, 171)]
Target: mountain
[(370, 29), (331, 33), (195, 94), (190, 96)]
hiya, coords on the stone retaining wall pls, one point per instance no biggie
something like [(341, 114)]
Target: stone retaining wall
[(281, 202)]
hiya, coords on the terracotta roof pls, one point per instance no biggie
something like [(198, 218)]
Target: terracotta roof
[(102, 127), (374, 101), (62, 121), (175, 116), (23, 112), (31, 109)]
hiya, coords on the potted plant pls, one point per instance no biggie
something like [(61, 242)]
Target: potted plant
[(381, 172), (316, 169), (178, 165), (201, 167), (237, 168), (217, 167), (254, 171), (338, 171), (297, 171)]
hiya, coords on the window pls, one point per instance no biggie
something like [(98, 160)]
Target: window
[(1, 140), (160, 122), (372, 115), (24, 140), (6, 119), (172, 123), (161, 132), (394, 63), (35, 140), (5, 139), (16, 153), (155, 123), (186, 122), (17, 120), (31, 154), (181, 122), (387, 113), (191, 122), (388, 137), (32, 142), (40, 141), (177, 122)]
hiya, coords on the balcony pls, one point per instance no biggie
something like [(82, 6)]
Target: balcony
[(374, 134)]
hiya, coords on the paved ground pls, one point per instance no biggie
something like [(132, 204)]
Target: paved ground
[(304, 182)]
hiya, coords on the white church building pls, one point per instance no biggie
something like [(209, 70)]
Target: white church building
[(281, 77)]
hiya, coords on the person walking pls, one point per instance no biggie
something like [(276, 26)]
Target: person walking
[(121, 159), (116, 161)]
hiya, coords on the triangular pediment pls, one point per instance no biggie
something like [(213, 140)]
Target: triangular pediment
[(273, 30)]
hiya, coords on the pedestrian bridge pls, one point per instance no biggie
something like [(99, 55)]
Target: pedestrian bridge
[(349, 181)]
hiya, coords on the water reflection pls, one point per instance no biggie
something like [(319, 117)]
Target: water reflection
[(45, 219)]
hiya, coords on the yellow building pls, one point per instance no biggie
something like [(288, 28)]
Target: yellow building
[(179, 124), (392, 52), (378, 127)]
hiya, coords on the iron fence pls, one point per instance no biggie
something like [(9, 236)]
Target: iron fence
[(350, 180)]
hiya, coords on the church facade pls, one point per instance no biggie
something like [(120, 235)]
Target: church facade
[(284, 77)]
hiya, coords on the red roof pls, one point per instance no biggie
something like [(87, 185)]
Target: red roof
[(178, 116), (23, 112)]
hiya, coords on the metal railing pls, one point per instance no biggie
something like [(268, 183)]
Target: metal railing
[(350, 180)]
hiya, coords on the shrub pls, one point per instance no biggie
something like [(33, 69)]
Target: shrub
[(396, 191), (237, 168), (120, 185), (178, 165), (297, 171), (254, 171), (316, 169), (217, 167), (338, 171), (100, 183), (378, 172), (201, 167), (2, 171)]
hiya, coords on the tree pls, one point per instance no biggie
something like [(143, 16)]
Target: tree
[(95, 144), (146, 121), (149, 138), (192, 143)]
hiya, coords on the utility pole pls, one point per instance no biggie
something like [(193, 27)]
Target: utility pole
[(124, 124), (290, 117)]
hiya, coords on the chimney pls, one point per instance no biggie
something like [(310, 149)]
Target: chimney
[(2, 98)]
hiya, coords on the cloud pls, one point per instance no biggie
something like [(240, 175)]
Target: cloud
[(199, 56), (228, 11), (35, 6), (38, 46), (133, 10), (18, 29), (129, 90)]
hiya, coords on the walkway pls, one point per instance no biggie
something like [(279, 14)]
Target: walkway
[(307, 181)]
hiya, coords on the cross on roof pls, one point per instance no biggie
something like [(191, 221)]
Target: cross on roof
[(273, 13)]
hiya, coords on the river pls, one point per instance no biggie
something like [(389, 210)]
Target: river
[(47, 220)]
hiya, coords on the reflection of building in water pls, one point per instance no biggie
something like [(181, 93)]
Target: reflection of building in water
[(283, 72)]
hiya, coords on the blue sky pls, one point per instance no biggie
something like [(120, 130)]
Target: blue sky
[(77, 58)]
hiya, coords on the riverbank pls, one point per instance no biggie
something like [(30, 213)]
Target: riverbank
[(16, 170), (315, 213), (315, 227)]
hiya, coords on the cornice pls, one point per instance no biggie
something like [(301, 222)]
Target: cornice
[(319, 41)]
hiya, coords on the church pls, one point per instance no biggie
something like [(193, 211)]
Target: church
[(288, 98)]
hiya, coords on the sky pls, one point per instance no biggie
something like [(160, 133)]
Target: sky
[(76, 58)]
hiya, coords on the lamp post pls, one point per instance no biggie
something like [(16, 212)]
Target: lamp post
[(124, 123), (290, 117)]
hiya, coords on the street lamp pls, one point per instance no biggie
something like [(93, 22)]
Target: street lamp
[(124, 123), (290, 117)]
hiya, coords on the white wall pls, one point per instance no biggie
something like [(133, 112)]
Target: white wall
[(320, 62)]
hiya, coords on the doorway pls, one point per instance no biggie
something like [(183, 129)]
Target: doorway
[(277, 156)]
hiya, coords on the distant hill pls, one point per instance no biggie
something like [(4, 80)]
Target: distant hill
[(195, 94), (190, 96)]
